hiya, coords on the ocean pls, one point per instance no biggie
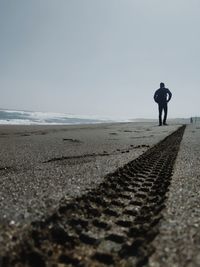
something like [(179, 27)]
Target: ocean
[(17, 117)]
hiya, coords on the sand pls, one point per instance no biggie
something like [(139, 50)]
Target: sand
[(178, 243), (41, 164)]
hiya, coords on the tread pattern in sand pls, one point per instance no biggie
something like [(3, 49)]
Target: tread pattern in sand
[(112, 225)]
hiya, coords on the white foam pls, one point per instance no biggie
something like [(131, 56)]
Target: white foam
[(46, 118)]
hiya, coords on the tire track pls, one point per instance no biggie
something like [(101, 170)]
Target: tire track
[(112, 225)]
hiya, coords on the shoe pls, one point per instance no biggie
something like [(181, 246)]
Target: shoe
[(165, 124)]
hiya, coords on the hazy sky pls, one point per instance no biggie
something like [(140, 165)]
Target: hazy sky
[(101, 57)]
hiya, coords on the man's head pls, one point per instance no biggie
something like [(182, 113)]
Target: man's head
[(162, 85)]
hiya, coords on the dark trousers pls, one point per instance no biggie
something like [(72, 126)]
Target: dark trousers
[(161, 107)]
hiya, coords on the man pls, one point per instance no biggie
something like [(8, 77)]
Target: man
[(162, 96)]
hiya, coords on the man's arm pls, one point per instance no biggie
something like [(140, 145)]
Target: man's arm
[(169, 95), (155, 97)]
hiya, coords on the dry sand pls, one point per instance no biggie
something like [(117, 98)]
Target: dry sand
[(41, 164), (178, 244)]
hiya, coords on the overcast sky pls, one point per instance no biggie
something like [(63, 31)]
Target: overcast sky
[(100, 57)]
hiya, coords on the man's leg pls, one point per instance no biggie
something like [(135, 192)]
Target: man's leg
[(165, 113), (160, 108)]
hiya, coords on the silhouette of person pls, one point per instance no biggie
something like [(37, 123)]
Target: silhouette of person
[(162, 96)]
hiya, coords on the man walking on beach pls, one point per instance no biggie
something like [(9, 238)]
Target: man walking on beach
[(162, 96)]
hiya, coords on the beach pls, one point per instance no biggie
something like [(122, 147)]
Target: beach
[(43, 167), (178, 243), (41, 164)]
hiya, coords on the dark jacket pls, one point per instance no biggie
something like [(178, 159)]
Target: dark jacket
[(162, 95)]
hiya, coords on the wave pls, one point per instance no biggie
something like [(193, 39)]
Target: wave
[(16, 117)]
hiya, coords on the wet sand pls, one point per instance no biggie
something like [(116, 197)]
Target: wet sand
[(41, 164)]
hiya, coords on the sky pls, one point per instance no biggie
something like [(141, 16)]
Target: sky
[(100, 57)]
